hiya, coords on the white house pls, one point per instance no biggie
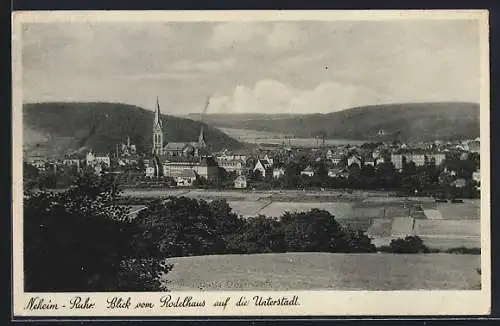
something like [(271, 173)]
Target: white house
[(150, 171), (336, 158), (268, 159), (240, 182), (354, 159), (460, 183), (476, 176), (370, 161), (308, 171), (186, 178), (262, 166), (93, 159), (39, 164), (278, 173), (336, 173)]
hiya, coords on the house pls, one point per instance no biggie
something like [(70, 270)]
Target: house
[(307, 171), (397, 161), (186, 178), (92, 159), (459, 183), (39, 164), (437, 158), (418, 158), (278, 173), (232, 163), (72, 162), (262, 166), (268, 159), (207, 168), (338, 173), (353, 159), (150, 171), (240, 182), (99, 167), (127, 149), (476, 176), (473, 146), (368, 159)]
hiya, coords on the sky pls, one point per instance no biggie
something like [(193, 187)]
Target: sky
[(252, 67)]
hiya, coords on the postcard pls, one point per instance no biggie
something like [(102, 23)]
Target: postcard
[(251, 163)]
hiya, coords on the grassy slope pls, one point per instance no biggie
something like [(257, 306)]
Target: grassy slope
[(307, 271), (419, 121), (61, 127)]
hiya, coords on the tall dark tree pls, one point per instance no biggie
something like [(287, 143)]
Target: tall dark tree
[(78, 240)]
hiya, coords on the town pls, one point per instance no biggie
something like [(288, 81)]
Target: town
[(443, 169)]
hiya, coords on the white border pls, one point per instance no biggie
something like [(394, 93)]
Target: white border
[(318, 303)]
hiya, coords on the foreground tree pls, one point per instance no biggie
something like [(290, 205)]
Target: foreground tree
[(179, 226), (317, 230), (79, 240)]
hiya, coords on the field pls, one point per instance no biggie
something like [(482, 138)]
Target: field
[(309, 271), (275, 138), (441, 225)]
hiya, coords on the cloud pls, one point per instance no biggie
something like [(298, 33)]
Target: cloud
[(271, 96), (286, 35), (288, 66), (275, 35), (185, 69), (201, 66), (227, 35)]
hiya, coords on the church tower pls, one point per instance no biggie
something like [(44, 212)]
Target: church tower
[(157, 131), (201, 139)]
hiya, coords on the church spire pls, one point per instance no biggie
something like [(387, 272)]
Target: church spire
[(157, 131), (201, 138), (157, 120)]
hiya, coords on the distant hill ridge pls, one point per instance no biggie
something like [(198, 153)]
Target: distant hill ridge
[(57, 128), (405, 122)]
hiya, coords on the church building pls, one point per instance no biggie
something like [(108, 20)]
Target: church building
[(161, 147), (177, 159)]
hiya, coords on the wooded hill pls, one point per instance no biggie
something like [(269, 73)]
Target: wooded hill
[(405, 122), (62, 127)]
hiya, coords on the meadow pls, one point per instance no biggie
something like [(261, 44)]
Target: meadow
[(323, 271)]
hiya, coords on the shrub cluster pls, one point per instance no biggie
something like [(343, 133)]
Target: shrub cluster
[(408, 245), (182, 226)]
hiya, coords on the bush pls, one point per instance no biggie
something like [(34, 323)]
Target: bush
[(464, 250), (182, 226), (408, 245)]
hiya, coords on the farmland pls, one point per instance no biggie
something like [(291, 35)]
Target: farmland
[(441, 225), (275, 138), (309, 271)]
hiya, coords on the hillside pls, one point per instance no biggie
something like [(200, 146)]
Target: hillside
[(60, 128), (405, 122)]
